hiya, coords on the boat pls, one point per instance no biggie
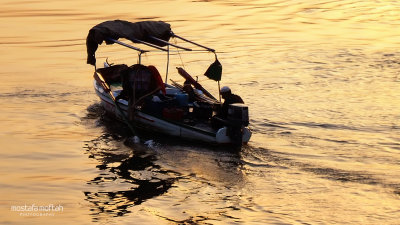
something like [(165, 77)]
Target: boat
[(138, 96)]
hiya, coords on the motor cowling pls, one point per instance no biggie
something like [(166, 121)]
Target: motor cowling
[(238, 118), (238, 114)]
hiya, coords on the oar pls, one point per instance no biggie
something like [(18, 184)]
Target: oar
[(196, 84), (99, 78)]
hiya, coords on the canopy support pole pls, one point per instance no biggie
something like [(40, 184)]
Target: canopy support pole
[(167, 43), (140, 57), (126, 45), (184, 39), (149, 44)]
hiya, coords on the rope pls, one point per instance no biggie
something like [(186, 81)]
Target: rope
[(166, 75), (177, 49)]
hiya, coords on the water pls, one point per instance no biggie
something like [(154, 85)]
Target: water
[(321, 79)]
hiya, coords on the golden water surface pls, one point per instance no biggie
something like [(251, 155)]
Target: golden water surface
[(321, 79)]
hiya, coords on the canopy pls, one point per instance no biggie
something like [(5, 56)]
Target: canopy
[(116, 29)]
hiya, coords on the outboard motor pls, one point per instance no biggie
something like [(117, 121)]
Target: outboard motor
[(238, 118)]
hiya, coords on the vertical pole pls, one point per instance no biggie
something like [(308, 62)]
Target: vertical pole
[(219, 92), (166, 75), (95, 67), (140, 58)]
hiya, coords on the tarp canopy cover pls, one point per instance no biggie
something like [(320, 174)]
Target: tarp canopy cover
[(116, 29)]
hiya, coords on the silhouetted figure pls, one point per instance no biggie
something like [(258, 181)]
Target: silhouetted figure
[(229, 98)]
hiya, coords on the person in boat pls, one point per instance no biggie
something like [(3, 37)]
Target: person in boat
[(188, 89), (217, 121), (229, 98), (139, 81), (135, 82)]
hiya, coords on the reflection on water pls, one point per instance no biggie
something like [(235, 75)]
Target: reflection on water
[(127, 176), (131, 174), (138, 169)]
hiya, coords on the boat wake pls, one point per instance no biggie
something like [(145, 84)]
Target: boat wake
[(130, 175), (256, 157)]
